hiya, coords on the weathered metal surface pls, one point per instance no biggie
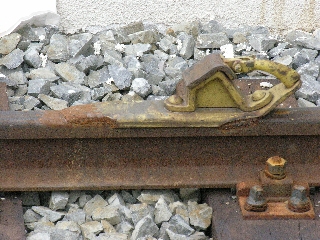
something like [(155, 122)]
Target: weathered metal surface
[(228, 223), (87, 147), (154, 162), (4, 104), (11, 219), (210, 84)]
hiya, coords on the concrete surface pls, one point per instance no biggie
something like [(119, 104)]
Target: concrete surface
[(279, 15)]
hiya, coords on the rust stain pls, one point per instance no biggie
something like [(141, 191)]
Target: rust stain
[(87, 115)]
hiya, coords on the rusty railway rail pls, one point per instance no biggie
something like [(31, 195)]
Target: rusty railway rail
[(86, 148)]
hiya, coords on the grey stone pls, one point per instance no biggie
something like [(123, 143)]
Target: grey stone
[(291, 51), (137, 49), (304, 39), (66, 92), (69, 226), (125, 227), (53, 103), (52, 216), (144, 227), (98, 93), (152, 196), (261, 42), (128, 197), (310, 89), (9, 42), (134, 66), (304, 103), (178, 63), (162, 232), (285, 60), (310, 68), (212, 40), (186, 48), (30, 198), (191, 28), (76, 215), (151, 64), (21, 90), (116, 200), (74, 196), (30, 216), (121, 76), (179, 226), (91, 228), (181, 209), (212, 27), (16, 76), (13, 59), (133, 27), (303, 57), (39, 236), (146, 36), (112, 236), (121, 36), (200, 215), (198, 236), (43, 225), (131, 96), (58, 234), (69, 73), (276, 51), (175, 236), (112, 97), (166, 43), (32, 58), (96, 202), (83, 199), (42, 73), (187, 194), (108, 213), (92, 62), (139, 211), (107, 227), (39, 86), (239, 37), (162, 212), (97, 78), (199, 54), (161, 55), (31, 33), (168, 87), (79, 43), (141, 87), (58, 200), (58, 50), (112, 57), (30, 102)]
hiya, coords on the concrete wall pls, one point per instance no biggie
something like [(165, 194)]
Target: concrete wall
[(277, 14)]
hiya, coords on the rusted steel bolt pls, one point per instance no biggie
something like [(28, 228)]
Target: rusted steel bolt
[(256, 201), (276, 168), (299, 201)]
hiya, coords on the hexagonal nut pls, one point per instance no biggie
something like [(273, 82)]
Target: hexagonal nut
[(276, 167)]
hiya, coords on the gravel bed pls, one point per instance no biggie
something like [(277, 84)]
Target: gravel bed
[(47, 69), (116, 215)]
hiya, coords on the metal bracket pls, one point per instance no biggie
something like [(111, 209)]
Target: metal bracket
[(276, 195), (209, 84)]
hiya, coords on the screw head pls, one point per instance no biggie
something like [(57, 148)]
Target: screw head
[(256, 201), (299, 201), (276, 167), (258, 95)]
